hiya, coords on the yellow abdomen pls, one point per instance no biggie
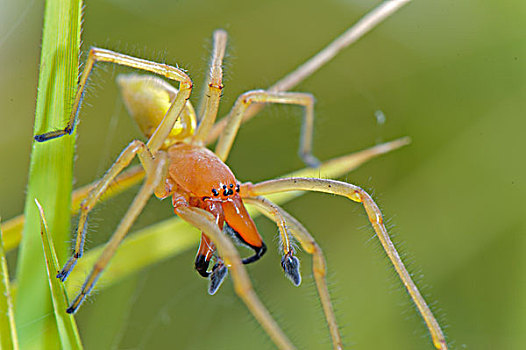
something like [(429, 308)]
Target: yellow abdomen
[(147, 99)]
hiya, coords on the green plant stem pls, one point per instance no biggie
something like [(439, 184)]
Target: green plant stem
[(8, 337), (50, 176)]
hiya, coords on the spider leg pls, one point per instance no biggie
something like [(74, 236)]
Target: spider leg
[(213, 87), (156, 174), (102, 55), (350, 36), (205, 222), (357, 194), (136, 147), (319, 268), (261, 96)]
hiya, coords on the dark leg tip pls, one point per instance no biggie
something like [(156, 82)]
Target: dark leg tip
[(63, 275), (291, 266), (71, 310), (66, 270), (39, 138), (52, 135), (217, 277)]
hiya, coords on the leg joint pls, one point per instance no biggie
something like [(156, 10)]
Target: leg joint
[(251, 96), (216, 86), (85, 206), (136, 144)]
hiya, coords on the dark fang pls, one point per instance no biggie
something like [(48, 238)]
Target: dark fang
[(291, 266), (217, 277), (259, 253), (215, 192)]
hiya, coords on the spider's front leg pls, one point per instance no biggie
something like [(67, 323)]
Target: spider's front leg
[(102, 55), (357, 194), (156, 172), (136, 147)]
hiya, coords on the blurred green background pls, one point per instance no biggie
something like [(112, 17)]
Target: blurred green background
[(451, 75)]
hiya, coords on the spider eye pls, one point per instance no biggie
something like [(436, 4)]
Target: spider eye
[(215, 192)]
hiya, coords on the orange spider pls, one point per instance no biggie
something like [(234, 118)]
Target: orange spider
[(204, 190)]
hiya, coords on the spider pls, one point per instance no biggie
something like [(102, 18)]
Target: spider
[(205, 192)]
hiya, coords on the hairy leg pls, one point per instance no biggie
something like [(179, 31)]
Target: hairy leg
[(102, 55), (157, 173), (319, 268), (214, 86), (350, 36), (357, 194), (134, 148), (261, 96)]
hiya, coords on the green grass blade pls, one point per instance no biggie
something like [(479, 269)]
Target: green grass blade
[(173, 236), (50, 175), (67, 328), (8, 337), (12, 232)]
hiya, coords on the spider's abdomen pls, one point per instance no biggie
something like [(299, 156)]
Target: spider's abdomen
[(147, 99)]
